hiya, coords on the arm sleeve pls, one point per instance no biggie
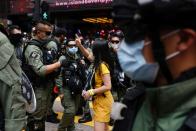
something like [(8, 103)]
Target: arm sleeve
[(59, 79), (34, 58), (104, 69)]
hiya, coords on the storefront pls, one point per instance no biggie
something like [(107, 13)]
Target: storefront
[(81, 14), (66, 13)]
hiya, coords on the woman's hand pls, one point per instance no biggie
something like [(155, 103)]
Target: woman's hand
[(86, 95), (78, 42)]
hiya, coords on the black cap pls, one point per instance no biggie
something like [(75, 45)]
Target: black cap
[(176, 13), (135, 17), (59, 31)]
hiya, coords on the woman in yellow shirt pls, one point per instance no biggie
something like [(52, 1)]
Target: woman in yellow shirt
[(102, 97)]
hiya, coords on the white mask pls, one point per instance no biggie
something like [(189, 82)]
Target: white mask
[(115, 46)]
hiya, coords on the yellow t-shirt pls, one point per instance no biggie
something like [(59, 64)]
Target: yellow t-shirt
[(103, 69)]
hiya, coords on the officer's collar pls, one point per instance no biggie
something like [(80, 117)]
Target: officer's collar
[(72, 56), (172, 97)]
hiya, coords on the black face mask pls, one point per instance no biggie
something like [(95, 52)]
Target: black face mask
[(16, 39)]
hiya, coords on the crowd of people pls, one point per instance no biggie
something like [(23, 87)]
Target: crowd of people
[(79, 67), (149, 62)]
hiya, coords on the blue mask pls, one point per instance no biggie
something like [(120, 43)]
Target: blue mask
[(134, 64), (72, 50)]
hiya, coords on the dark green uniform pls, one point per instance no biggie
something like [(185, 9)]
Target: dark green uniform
[(70, 103), (34, 58), (11, 99), (169, 104)]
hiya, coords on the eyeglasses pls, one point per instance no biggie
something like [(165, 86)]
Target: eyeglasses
[(48, 33), (115, 41)]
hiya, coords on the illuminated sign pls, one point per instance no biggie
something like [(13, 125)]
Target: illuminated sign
[(80, 2), (98, 20), (20, 6)]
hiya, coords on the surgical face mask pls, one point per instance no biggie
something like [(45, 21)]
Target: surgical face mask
[(133, 62), (72, 50), (115, 46)]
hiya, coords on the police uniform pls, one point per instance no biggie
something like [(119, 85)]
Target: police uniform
[(34, 58), (52, 45), (70, 102), (12, 101)]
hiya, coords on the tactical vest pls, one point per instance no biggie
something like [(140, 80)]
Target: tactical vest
[(48, 58), (73, 77)]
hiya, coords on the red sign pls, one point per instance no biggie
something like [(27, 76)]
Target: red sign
[(20, 6)]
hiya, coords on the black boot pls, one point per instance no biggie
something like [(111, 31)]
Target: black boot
[(52, 118), (2, 121), (111, 123), (36, 126), (79, 112), (86, 118)]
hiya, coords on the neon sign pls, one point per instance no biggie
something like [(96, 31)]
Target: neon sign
[(81, 2)]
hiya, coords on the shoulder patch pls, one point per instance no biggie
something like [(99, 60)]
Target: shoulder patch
[(34, 55)]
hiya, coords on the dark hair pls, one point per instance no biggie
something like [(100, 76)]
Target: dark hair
[(101, 53), (114, 35), (59, 31), (12, 27), (3, 30), (43, 22), (68, 40), (37, 26)]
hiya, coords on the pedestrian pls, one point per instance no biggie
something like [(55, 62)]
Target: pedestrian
[(88, 57), (120, 81), (101, 95)]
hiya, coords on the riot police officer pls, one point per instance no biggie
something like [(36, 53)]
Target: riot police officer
[(39, 67), (15, 36), (55, 45), (70, 82), (12, 102), (159, 50)]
